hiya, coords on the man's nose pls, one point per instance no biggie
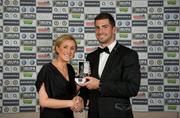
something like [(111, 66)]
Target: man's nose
[(100, 30)]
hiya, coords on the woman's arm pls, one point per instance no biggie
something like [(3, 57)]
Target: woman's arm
[(45, 101)]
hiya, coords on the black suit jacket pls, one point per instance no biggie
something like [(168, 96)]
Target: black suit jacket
[(120, 80)]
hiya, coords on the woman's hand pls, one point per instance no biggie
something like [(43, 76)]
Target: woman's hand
[(78, 104)]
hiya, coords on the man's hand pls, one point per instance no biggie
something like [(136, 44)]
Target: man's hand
[(92, 83)]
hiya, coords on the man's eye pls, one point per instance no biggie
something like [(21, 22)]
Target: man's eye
[(105, 27)]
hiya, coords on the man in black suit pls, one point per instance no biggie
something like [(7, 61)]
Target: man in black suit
[(115, 74)]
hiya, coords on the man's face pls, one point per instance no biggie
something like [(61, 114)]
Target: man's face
[(105, 32)]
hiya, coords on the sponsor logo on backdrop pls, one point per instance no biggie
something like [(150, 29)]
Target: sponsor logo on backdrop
[(29, 27)]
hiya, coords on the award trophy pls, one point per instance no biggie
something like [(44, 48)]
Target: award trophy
[(84, 70)]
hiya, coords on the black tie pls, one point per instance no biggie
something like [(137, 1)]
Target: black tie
[(106, 49)]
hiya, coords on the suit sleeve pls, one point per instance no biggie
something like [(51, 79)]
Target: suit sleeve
[(128, 82)]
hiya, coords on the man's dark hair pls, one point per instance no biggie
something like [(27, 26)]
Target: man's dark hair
[(106, 16)]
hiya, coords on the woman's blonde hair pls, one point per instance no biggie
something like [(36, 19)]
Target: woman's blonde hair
[(61, 39)]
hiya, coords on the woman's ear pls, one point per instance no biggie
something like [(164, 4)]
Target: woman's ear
[(57, 50)]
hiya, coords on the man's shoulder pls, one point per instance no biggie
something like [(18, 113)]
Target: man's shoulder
[(94, 52), (126, 49)]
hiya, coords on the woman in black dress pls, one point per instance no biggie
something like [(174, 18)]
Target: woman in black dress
[(56, 85)]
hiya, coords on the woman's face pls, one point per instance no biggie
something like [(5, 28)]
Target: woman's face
[(66, 50)]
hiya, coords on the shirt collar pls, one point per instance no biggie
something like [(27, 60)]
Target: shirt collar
[(111, 46)]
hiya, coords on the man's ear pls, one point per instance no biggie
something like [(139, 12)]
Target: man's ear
[(115, 29)]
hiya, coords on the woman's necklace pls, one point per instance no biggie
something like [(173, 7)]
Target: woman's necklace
[(63, 70)]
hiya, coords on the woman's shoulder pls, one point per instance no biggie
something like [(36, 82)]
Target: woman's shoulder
[(70, 66), (46, 66)]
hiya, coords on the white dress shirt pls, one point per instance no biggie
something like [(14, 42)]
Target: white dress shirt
[(103, 58)]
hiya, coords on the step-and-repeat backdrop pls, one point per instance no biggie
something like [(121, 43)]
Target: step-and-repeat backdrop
[(28, 28)]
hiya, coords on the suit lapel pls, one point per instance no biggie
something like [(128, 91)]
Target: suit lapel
[(110, 62), (95, 62), (96, 65)]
